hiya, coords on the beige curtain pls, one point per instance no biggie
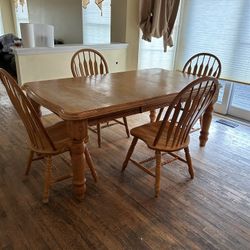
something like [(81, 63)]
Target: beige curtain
[(19, 2), (98, 3), (156, 19), (85, 3)]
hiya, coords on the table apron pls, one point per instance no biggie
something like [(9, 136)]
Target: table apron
[(123, 113)]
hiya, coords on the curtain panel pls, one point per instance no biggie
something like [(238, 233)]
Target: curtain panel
[(98, 3), (19, 2), (157, 18)]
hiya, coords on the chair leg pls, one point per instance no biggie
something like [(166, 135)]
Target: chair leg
[(130, 152), (157, 172), (47, 180), (90, 164), (189, 162), (126, 126), (29, 162), (99, 134), (201, 121), (196, 129)]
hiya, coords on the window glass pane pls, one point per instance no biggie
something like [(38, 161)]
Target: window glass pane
[(22, 16), (221, 91), (241, 96), (96, 27), (151, 55)]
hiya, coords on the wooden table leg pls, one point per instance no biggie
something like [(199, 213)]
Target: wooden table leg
[(78, 162), (152, 115), (78, 130), (206, 121)]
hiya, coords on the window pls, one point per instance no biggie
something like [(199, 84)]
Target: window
[(221, 28), (96, 25), (241, 96), (151, 55), (21, 17)]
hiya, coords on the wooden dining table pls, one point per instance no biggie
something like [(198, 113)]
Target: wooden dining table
[(84, 100)]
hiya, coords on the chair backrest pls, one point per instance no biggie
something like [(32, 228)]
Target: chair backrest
[(203, 64), (186, 108), (39, 138), (87, 62)]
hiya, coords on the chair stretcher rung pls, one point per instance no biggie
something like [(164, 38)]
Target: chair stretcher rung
[(142, 168), (177, 156)]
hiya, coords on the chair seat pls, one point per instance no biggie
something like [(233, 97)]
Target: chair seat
[(58, 134), (147, 133)]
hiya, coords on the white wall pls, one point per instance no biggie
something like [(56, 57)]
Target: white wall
[(65, 15), (124, 28)]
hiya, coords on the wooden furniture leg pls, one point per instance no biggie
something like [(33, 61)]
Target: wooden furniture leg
[(47, 180), (29, 162), (130, 152), (98, 127), (152, 115), (78, 162), (206, 121), (90, 164), (157, 172), (126, 126), (189, 162), (78, 131)]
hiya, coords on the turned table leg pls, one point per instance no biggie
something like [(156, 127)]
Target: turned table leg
[(206, 121), (78, 162), (78, 130)]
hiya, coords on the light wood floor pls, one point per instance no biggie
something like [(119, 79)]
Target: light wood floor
[(120, 211)]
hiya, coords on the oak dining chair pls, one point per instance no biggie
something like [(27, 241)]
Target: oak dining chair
[(45, 142), (88, 62), (171, 134), (201, 64)]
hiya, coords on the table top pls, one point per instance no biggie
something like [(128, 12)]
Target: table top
[(84, 98)]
